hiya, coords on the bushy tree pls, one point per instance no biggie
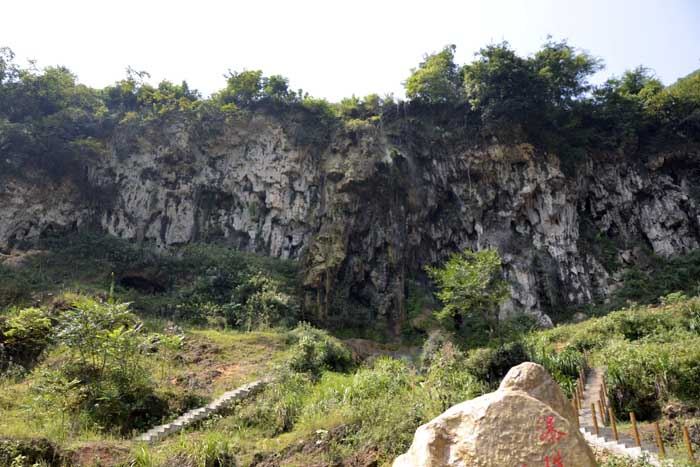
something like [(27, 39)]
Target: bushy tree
[(471, 283), (104, 375), (365, 108), (250, 86), (678, 106), (315, 351), (437, 79), (166, 97), (564, 72), (44, 113), (8, 69), (536, 93), (622, 107), (502, 86), (276, 88), (263, 304), (24, 335), (242, 88)]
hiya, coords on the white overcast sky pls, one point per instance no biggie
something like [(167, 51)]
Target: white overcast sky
[(334, 48)]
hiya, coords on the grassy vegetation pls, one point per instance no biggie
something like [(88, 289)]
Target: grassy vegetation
[(175, 347), (198, 284), (652, 354), (658, 277), (308, 418)]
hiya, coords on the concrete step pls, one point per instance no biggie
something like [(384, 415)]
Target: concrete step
[(625, 445), (157, 433)]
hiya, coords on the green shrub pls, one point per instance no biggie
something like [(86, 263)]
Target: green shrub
[(30, 453), (642, 376), (263, 304), (651, 353), (24, 335), (563, 365), (691, 313), (382, 403), (433, 346), (277, 409), (387, 406), (15, 287), (448, 380), (662, 277), (489, 365), (104, 377), (625, 461), (315, 351)]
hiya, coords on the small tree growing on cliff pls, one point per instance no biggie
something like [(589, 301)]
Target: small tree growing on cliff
[(470, 283)]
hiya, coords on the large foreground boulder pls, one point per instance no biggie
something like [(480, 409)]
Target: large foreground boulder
[(534, 380), (505, 428)]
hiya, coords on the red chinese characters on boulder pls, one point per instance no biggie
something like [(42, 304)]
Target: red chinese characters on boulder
[(550, 434), (553, 461)]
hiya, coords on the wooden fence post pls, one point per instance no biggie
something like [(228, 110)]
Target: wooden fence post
[(659, 440), (635, 432), (601, 412), (604, 401), (688, 444), (613, 423), (595, 420), (575, 406), (605, 388)]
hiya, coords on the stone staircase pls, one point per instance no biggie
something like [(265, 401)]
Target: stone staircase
[(626, 445), (157, 433)]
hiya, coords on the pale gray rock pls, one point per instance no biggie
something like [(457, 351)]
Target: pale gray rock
[(368, 210)]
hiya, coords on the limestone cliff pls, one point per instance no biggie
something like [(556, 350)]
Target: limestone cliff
[(368, 208)]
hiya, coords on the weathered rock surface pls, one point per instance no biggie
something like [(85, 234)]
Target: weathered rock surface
[(371, 207), (535, 381), (508, 427)]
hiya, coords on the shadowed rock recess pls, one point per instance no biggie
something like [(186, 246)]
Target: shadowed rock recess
[(367, 209)]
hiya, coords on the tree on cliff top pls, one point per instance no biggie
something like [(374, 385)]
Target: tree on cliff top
[(470, 283), (437, 79)]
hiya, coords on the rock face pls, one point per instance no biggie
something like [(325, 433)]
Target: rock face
[(365, 211), (508, 427)]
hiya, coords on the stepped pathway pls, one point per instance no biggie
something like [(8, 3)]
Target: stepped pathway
[(157, 433), (626, 446)]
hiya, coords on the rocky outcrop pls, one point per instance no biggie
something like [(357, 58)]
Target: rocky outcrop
[(369, 208), (510, 426)]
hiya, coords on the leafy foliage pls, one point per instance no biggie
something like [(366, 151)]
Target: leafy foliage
[(502, 86), (490, 364), (651, 354), (449, 378), (316, 351), (201, 284), (263, 304), (657, 278), (249, 86), (104, 377), (471, 283), (437, 79), (24, 335)]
